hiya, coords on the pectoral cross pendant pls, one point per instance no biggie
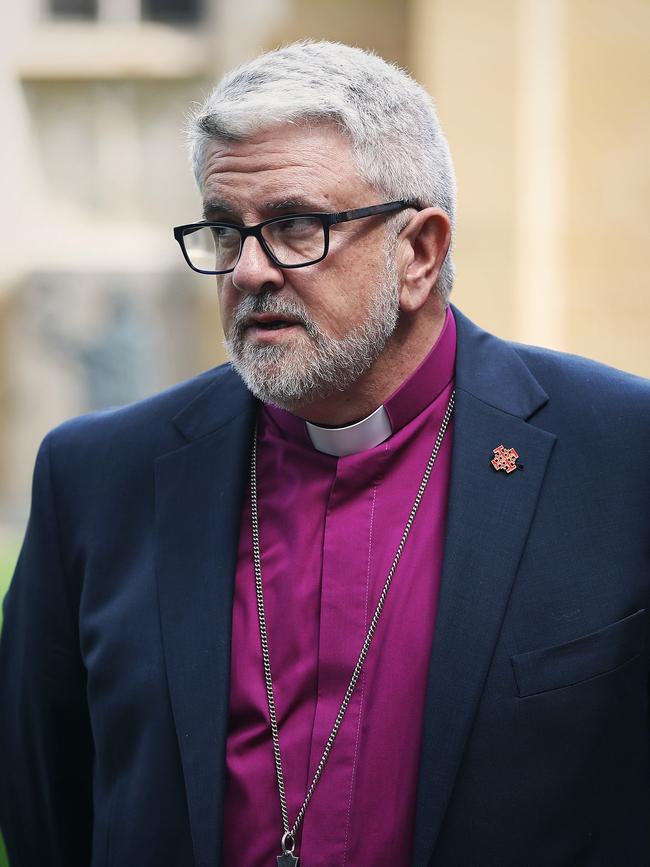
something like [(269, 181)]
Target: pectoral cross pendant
[(288, 859)]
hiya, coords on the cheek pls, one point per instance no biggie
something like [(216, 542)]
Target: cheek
[(226, 302), (341, 308), (327, 301), (341, 299)]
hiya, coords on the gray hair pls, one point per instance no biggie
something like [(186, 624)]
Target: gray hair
[(391, 121)]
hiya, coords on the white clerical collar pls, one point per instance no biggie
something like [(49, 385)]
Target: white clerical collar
[(353, 438)]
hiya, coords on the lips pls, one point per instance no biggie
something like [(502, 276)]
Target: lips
[(270, 321)]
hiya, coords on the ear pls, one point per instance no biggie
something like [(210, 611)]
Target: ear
[(424, 242)]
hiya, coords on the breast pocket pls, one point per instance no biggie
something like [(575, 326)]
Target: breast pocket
[(583, 658)]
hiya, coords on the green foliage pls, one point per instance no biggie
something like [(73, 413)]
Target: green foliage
[(8, 555)]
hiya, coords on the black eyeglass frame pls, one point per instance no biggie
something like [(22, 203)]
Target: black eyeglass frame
[(326, 220)]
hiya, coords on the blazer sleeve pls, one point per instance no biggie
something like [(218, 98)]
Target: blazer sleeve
[(45, 738)]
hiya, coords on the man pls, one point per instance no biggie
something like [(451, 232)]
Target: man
[(384, 603)]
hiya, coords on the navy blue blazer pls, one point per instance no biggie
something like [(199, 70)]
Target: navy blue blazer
[(114, 658)]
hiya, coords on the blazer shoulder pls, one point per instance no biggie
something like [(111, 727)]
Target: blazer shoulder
[(533, 382), (554, 368), (486, 365), (149, 425), (587, 393)]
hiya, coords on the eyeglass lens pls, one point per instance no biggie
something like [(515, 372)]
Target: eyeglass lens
[(294, 241)]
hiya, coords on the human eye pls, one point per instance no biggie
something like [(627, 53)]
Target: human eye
[(296, 226), (224, 235)]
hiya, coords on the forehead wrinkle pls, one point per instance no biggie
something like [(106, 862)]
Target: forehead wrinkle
[(279, 181), (221, 167), (315, 172), (261, 158), (279, 151), (275, 192)]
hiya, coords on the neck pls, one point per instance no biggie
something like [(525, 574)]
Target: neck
[(403, 353)]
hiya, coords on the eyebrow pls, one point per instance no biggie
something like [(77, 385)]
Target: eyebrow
[(288, 204), (212, 206), (218, 206)]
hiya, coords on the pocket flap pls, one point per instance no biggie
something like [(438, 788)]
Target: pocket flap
[(580, 659)]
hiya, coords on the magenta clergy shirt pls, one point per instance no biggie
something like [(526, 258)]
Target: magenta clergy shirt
[(329, 529)]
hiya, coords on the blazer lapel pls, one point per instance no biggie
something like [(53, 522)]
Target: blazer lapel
[(489, 515), (199, 491)]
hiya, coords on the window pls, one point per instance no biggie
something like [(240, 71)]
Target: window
[(73, 9), (181, 12)]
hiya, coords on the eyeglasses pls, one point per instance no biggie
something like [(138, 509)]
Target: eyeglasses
[(290, 241)]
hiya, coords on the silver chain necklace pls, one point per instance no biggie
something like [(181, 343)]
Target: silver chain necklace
[(288, 841)]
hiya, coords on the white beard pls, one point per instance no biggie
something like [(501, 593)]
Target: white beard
[(316, 365)]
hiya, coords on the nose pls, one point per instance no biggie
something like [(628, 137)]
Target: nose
[(255, 272)]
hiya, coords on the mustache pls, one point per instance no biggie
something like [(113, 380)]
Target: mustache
[(269, 302)]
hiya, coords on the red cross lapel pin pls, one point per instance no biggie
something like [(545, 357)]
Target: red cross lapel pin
[(505, 459)]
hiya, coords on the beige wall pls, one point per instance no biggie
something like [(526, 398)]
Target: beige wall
[(547, 108), (608, 181), (464, 54), (379, 25)]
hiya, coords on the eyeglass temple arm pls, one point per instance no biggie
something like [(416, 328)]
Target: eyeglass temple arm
[(372, 210)]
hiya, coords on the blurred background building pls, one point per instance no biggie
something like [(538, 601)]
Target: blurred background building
[(545, 102)]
